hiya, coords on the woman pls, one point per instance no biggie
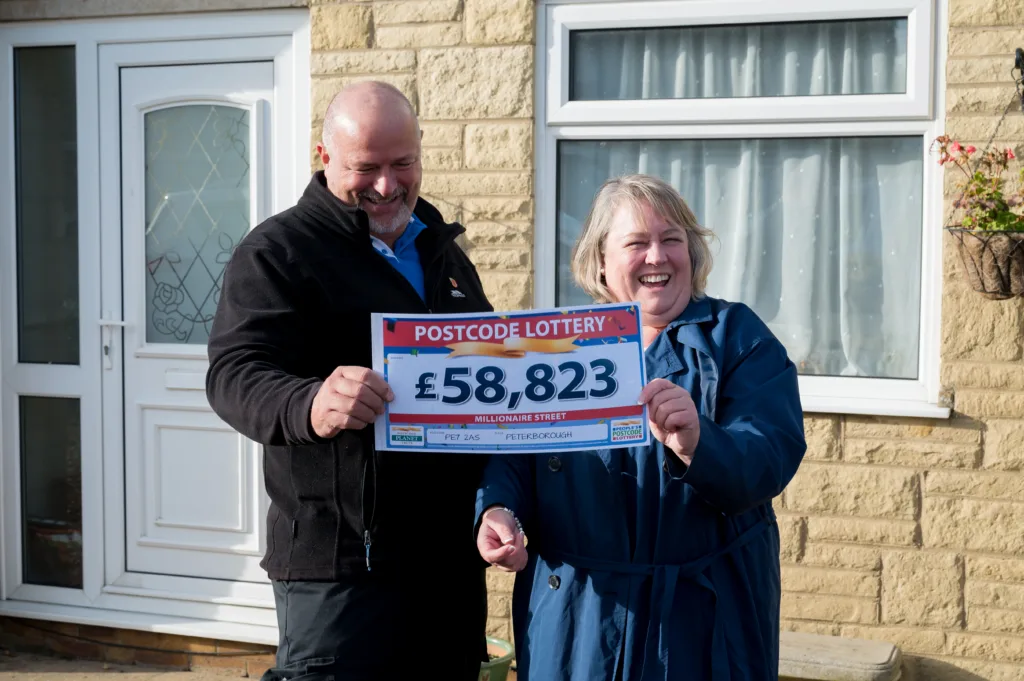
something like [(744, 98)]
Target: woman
[(658, 562)]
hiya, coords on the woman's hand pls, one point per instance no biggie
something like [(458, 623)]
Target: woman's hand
[(672, 417), (500, 541)]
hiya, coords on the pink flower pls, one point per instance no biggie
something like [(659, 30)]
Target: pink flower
[(970, 150), (1010, 154), (955, 146)]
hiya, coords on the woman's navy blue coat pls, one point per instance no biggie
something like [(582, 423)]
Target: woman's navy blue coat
[(637, 561)]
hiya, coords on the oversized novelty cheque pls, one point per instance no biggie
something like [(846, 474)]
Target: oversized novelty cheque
[(514, 382)]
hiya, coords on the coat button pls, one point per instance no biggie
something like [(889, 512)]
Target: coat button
[(554, 582), (554, 464)]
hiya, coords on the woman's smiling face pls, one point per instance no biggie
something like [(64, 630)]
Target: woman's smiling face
[(647, 260)]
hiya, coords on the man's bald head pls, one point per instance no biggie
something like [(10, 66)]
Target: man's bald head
[(371, 154), (363, 104)]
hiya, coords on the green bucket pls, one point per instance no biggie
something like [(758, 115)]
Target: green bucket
[(501, 653)]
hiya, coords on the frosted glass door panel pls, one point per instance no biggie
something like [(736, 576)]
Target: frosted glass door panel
[(197, 210)]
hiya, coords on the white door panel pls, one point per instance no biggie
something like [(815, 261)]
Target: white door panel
[(194, 182)]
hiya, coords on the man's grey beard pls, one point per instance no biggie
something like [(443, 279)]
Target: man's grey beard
[(396, 223)]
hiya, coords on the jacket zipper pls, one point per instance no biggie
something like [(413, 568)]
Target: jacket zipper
[(367, 538)]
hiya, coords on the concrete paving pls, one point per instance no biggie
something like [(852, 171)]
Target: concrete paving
[(29, 667), (25, 667)]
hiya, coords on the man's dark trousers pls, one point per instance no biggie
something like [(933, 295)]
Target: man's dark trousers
[(369, 628)]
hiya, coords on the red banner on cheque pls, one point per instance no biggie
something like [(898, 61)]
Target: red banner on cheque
[(507, 336)]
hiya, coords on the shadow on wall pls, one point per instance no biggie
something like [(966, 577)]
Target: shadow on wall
[(929, 669)]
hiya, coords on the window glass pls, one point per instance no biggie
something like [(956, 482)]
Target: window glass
[(820, 236), (756, 60), (51, 491), (46, 222)]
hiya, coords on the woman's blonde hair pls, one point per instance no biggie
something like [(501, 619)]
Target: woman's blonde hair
[(636, 191)]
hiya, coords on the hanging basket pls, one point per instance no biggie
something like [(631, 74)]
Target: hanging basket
[(993, 261)]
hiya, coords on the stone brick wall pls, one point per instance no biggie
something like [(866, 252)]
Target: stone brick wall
[(467, 67), (906, 530)]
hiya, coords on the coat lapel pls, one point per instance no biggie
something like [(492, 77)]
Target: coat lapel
[(689, 336)]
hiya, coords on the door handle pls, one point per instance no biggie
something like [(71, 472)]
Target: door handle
[(107, 338)]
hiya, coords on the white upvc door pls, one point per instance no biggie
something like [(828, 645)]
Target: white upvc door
[(194, 153)]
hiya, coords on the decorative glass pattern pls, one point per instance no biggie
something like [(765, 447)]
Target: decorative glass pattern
[(197, 210)]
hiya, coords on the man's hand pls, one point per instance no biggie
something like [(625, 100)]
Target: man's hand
[(672, 417), (350, 399), (500, 542)]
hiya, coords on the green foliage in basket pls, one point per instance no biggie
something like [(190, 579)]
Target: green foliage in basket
[(983, 201)]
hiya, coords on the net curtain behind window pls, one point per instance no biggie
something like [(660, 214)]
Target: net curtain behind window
[(771, 60), (820, 236)]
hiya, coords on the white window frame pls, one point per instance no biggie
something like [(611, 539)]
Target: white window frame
[(744, 118), (110, 596), (565, 18)]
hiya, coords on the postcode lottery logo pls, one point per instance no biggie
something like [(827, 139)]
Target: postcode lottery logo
[(627, 429), (407, 435)]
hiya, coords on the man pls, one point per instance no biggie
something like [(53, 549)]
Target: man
[(369, 552)]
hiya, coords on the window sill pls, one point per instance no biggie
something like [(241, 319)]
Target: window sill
[(164, 624), (815, 404)]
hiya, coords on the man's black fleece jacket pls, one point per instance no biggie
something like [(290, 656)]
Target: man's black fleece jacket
[(296, 301)]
